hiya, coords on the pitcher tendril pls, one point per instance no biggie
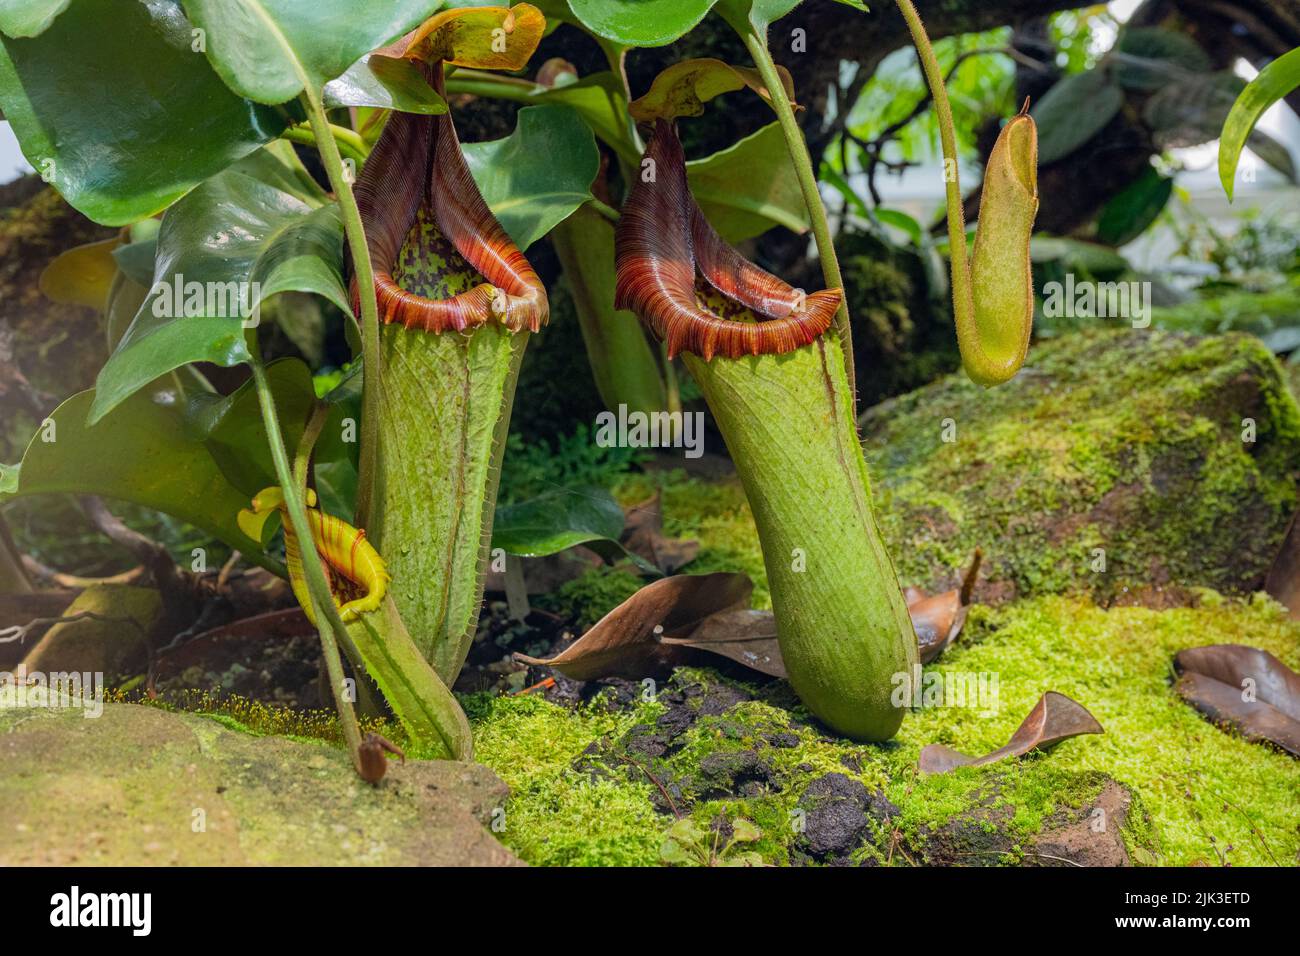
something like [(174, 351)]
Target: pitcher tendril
[(993, 292), (358, 579)]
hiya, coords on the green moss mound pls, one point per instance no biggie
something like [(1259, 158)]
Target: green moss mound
[(602, 784), (1171, 457)]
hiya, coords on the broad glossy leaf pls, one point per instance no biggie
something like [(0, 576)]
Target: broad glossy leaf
[(683, 88), (233, 238), (484, 37), (141, 453), (598, 98), (268, 50), (537, 176), (1074, 111), (112, 104), (1156, 57), (1135, 208), (387, 83), (757, 15), (135, 260), (232, 429), (29, 18), (558, 520), (748, 188), (1274, 82), (640, 22), (82, 275)]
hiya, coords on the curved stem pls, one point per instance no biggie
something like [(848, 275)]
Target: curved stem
[(356, 238), (349, 142), (609, 212), (812, 198), (963, 299), (322, 600)]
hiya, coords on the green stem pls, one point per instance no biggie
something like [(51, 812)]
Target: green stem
[(609, 212), (963, 298), (365, 272), (812, 198), (322, 601), (349, 142)]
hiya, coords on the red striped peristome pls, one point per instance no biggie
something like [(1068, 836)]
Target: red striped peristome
[(418, 161), (663, 239)]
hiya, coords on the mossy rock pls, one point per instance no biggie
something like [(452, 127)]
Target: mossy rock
[(139, 785), (601, 783), (1170, 457)]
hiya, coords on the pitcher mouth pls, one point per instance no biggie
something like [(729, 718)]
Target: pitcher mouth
[(676, 273), (419, 203)]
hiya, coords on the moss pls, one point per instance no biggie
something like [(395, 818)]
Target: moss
[(578, 799), (713, 512), (556, 814), (1195, 781), (1130, 442), (585, 600)]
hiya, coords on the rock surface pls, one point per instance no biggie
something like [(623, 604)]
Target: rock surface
[(1172, 454), (139, 785)]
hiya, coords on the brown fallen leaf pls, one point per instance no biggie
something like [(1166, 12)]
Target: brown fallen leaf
[(744, 635), (643, 534), (626, 641), (1054, 718), (737, 632), (938, 619), (1244, 688), (1283, 580)]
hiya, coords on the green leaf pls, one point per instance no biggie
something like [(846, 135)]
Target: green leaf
[(835, 179), (231, 426), (758, 14), (270, 50), (140, 453), (1159, 57), (563, 519), (598, 98), (387, 83), (640, 22), (1099, 262), (1074, 111), (748, 188), (1274, 82), (537, 176), (557, 520), (112, 104), (236, 241), (29, 18), (135, 260), (1134, 208), (902, 221)]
